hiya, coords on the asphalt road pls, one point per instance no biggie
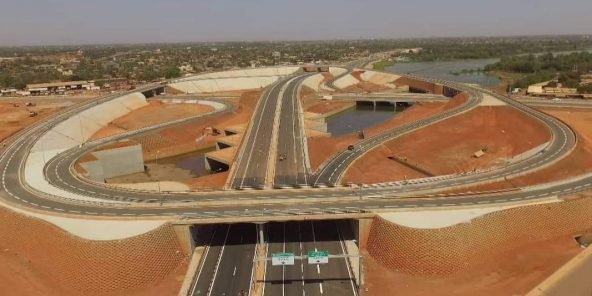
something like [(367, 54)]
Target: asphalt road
[(252, 164), (302, 278), (340, 200), (227, 268), (562, 142), (291, 165), (563, 103)]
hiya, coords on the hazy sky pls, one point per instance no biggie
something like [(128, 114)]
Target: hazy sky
[(37, 22)]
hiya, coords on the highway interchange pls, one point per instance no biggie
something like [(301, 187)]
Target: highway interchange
[(278, 117), (194, 205)]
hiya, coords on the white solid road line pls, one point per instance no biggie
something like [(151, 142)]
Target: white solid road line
[(256, 133), (211, 287), (205, 255)]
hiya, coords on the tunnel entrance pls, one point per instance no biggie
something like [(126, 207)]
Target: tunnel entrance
[(237, 256), (154, 92), (216, 166), (417, 90)]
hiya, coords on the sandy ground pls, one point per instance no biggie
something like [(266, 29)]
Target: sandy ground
[(19, 277), (190, 137), (14, 119), (448, 147), (308, 97), (322, 148), (169, 286), (514, 273), (215, 181), (576, 163), (155, 113), (37, 258), (181, 139)]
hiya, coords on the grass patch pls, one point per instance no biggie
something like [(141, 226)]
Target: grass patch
[(507, 77), (380, 65)]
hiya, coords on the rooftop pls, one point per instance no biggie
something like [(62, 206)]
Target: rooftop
[(56, 84)]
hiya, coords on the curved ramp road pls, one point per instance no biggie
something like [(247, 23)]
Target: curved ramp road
[(261, 205), (562, 142)]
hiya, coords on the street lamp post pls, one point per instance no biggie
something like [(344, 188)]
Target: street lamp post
[(158, 178)]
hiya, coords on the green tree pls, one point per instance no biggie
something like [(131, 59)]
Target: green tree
[(585, 89), (172, 72)]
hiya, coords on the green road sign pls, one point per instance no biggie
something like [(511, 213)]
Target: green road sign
[(282, 259), (319, 257)]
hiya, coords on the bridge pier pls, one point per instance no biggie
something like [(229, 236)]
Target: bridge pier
[(185, 236)]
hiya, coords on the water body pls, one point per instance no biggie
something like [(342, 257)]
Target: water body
[(444, 70), (194, 162), (355, 120)]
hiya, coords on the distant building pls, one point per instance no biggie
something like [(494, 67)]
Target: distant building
[(542, 90), (8, 92), (586, 79), (64, 72), (59, 87), (186, 68)]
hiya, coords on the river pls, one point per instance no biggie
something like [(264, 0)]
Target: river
[(444, 70)]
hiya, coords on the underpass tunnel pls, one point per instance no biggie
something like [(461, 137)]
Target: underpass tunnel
[(384, 106), (215, 165), (365, 105), (154, 92), (450, 92), (402, 106), (221, 145), (417, 90), (233, 253), (377, 105), (270, 232)]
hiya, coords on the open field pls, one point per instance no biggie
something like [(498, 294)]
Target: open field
[(448, 147), (14, 119), (578, 162), (323, 148)]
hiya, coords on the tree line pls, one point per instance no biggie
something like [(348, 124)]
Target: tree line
[(566, 68)]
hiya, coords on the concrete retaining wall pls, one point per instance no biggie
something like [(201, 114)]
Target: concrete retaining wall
[(426, 86), (530, 153), (71, 133), (335, 71), (314, 81), (464, 246), (345, 81), (270, 71), (224, 84), (379, 77), (571, 279), (115, 162)]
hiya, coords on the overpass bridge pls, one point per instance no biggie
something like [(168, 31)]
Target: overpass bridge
[(255, 205), (388, 101)]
